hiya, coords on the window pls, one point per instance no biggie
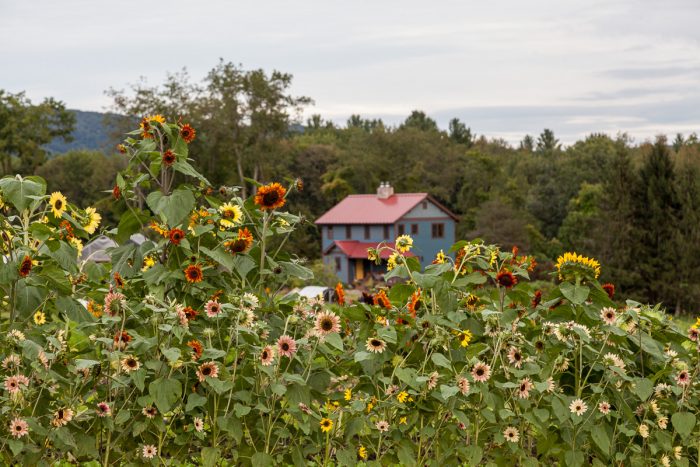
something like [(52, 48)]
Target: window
[(386, 232), (401, 229), (414, 229), (348, 232), (438, 230), (424, 204), (337, 264), (367, 232), (330, 232)]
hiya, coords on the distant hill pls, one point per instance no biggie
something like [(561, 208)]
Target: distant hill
[(89, 133)]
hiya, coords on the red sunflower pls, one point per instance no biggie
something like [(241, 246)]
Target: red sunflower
[(25, 266), (187, 133), (193, 273), (271, 196), (240, 243), (176, 236), (168, 158), (506, 279), (382, 300)]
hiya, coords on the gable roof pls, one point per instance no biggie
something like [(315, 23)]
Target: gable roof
[(370, 209), (358, 250)]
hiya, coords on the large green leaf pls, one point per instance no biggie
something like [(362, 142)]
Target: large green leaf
[(683, 423), (173, 208), (17, 190), (165, 392), (601, 438), (577, 294)]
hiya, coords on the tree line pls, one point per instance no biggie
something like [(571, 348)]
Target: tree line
[(635, 206)]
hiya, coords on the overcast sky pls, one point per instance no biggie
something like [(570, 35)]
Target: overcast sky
[(506, 68)]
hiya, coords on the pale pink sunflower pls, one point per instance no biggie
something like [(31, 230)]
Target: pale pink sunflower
[(578, 407), (608, 315), (12, 383), (210, 369), (198, 424), (511, 434), (515, 357), (604, 407), (523, 391), (19, 428), (375, 345), (267, 356), (213, 308), (286, 346), (149, 451), (433, 380), (150, 411), (114, 303), (481, 372), (11, 362), (103, 409), (463, 385), (382, 426), (683, 378), (327, 323), (693, 334)]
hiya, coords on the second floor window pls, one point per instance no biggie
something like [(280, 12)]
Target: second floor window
[(401, 229), (438, 230), (348, 232), (330, 232), (367, 232)]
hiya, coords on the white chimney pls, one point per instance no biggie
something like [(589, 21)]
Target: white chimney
[(385, 190)]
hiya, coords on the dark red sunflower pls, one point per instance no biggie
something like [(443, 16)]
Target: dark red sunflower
[(271, 196), (537, 298), (25, 266), (122, 339), (191, 313), (187, 133), (116, 192), (506, 279), (196, 347), (609, 289), (176, 236), (193, 273), (168, 158), (241, 243), (118, 281)]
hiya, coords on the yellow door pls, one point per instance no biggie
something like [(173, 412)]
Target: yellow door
[(359, 269)]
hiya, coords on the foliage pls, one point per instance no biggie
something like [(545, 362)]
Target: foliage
[(187, 350)]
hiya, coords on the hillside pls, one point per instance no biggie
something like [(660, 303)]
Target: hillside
[(89, 133)]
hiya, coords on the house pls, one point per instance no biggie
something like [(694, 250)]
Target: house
[(360, 222)]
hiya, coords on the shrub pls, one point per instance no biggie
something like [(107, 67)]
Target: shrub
[(188, 350)]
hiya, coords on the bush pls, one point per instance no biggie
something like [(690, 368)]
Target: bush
[(186, 350)]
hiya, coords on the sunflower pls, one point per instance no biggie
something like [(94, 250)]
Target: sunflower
[(340, 293), (103, 409), (392, 261), (176, 236), (511, 434), (241, 243), (130, 363), (196, 347), (116, 192), (481, 372), (536, 299), (404, 243), (382, 300), (93, 220), (208, 369), (375, 345), (163, 232), (58, 203), (414, 303), (440, 258), (121, 340), (267, 355), (39, 318), (232, 213), (62, 417), (286, 346), (326, 425), (362, 452), (570, 266), (609, 289), (193, 273), (187, 133), (506, 279), (270, 196), (19, 428), (327, 323), (465, 337), (168, 158), (25, 266)]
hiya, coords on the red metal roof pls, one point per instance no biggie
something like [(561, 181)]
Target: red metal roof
[(370, 209), (358, 250)]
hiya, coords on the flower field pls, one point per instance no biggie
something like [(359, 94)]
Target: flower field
[(188, 349)]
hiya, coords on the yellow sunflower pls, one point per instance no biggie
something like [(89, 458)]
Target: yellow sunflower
[(93, 220), (231, 214), (326, 425), (404, 243), (39, 318), (58, 203)]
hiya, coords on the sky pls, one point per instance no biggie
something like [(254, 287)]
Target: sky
[(504, 67)]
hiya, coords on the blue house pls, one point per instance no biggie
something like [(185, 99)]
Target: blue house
[(360, 222)]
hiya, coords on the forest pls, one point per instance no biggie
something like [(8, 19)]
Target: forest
[(633, 205)]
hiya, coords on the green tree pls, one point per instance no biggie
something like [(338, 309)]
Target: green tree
[(547, 143), (460, 134), (25, 128), (419, 120)]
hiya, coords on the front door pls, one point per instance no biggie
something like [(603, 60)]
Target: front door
[(359, 269)]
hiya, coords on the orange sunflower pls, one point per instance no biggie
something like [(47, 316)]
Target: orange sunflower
[(241, 243), (193, 273), (271, 196), (340, 293), (382, 300), (414, 303), (176, 236), (196, 347), (187, 133)]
